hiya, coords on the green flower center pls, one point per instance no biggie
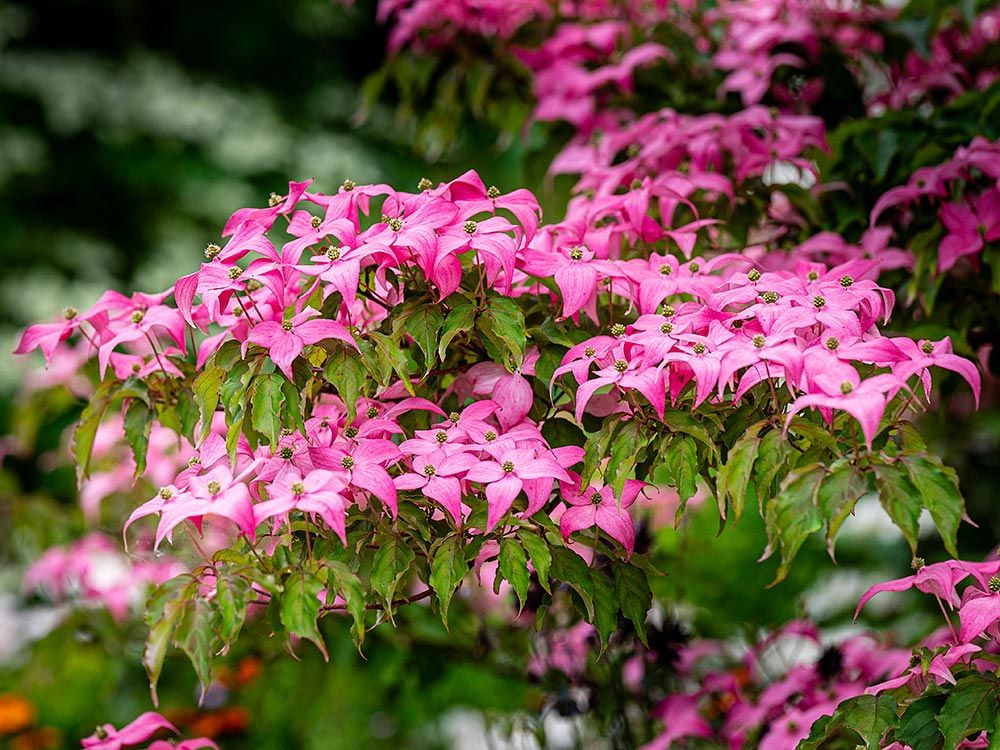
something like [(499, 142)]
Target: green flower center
[(507, 466), (576, 253), (917, 563), (812, 276), (166, 493), (138, 315), (846, 388), (667, 328), (454, 417), (213, 487), (441, 436), (699, 348), (770, 297), (617, 329), (589, 351), (694, 267), (832, 343), (621, 365), (424, 184), (347, 462), (819, 301), (351, 432), (235, 272), (298, 489), (212, 251), (333, 253), (470, 227), (274, 199), (846, 280), (429, 471), (927, 347), (490, 436), (493, 192), (759, 340), (995, 584), (286, 452), (596, 498), (753, 274), (395, 224), (666, 270), (348, 185), (287, 325), (315, 221), (372, 412)]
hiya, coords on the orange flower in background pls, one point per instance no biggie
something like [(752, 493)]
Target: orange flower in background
[(16, 714)]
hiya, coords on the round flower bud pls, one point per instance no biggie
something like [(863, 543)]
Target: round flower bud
[(812, 276), (617, 329), (621, 365), (213, 487), (759, 340), (69, 313), (212, 251), (753, 274), (136, 367), (507, 466), (699, 348), (493, 192), (667, 311), (347, 462), (424, 184), (287, 325), (429, 471), (694, 267), (470, 227)]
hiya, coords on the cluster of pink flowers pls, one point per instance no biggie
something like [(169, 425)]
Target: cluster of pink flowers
[(966, 190), (758, 36), (93, 572), (949, 70), (771, 692)]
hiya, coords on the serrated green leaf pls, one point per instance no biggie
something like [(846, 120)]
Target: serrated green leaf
[(734, 476), (918, 726), (569, 568), (265, 415), (390, 358), (901, 501), (634, 596), (541, 556), (423, 324), (86, 428), (680, 421), (792, 516), (870, 716), (161, 614), (971, 707), (460, 320), (513, 566), (502, 323), (839, 492), (300, 605), (138, 425), (345, 371), (680, 458), (232, 599), (207, 387), (938, 487), (349, 586), (627, 449), (391, 563), (605, 607), (447, 571)]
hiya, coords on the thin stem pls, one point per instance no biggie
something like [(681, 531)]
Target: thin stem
[(395, 603), (156, 352)]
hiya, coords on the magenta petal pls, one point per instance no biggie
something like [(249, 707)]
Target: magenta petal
[(500, 496), (577, 518), (978, 614), (618, 524), (377, 481)]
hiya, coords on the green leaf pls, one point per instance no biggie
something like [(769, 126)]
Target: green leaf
[(541, 556), (300, 605), (349, 586), (595, 450), (460, 320), (513, 566), (291, 411), (870, 716), (792, 516), (970, 708), (680, 421), (423, 325), (345, 371), (918, 726), (502, 323), (569, 568), (162, 612), (634, 596), (86, 428), (391, 562), (266, 412), (232, 599), (138, 424), (391, 358), (605, 607), (901, 501), (206, 395), (938, 487), (195, 633), (627, 450), (839, 492), (447, 571), (681, 461), (734, 476)]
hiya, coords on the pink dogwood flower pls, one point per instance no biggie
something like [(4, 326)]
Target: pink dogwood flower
[(138, 730), (598, 506), (317, 493), (285, 341), (505, 477)]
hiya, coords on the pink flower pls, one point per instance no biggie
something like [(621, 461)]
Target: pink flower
[(363, 464), (435, 474), (598, 506), (215, 493), (285, 341), (970, 226), (140, 729), (506, 477), (317, 493)]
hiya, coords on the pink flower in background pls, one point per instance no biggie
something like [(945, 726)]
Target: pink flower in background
[(317, 493), (138, 730)]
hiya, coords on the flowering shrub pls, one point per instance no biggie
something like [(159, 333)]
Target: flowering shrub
[(365, 400)]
